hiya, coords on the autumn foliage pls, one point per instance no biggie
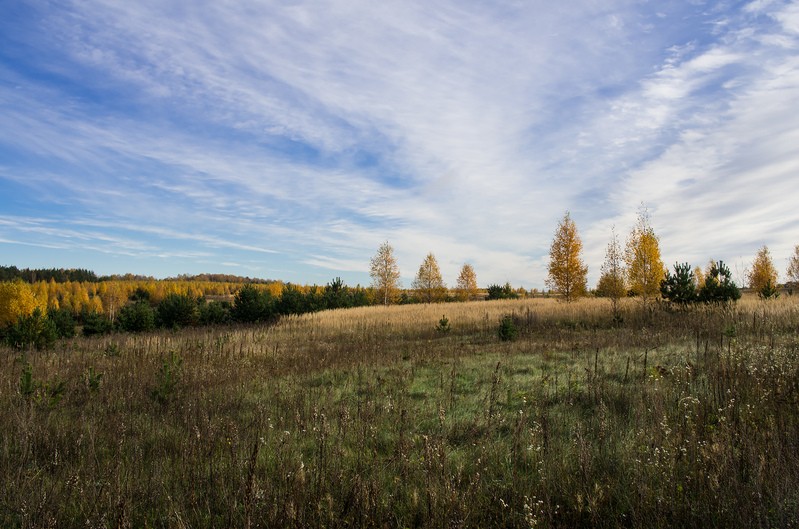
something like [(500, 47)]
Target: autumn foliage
[(645, 269), (567, 272)]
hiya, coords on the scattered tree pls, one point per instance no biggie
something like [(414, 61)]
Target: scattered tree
[(611, 282), (501, 292), (467, 283), (428, 283), (719, 286), (177, 310), (385, 273), (138, 316), (32, 330), (762, 277), (679, 288), (567, 272), (251, 304), (645, 268)]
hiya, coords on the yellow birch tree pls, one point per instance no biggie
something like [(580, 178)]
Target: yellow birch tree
[(385, 273), (17, 299), (645, 268), (466, 286), (763, 276), (428, 283)]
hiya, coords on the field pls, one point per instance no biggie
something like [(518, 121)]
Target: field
[(374, 417)]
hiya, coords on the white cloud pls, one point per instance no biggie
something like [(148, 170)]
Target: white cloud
[(317, 131)]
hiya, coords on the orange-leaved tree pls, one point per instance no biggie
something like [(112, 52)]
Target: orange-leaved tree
[(645, 268), (567, 272)]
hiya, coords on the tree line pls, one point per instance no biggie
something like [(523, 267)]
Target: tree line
[(638, 270)]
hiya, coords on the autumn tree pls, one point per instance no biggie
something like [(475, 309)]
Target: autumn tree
[(428, 283), (645, 268), (612, 281), (699, 277), (793, 267), (17, 300), (762, 277), (467, 283), (567, 272), (385, 273)]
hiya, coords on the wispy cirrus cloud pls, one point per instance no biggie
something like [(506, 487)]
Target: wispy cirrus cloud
[(297, 137)]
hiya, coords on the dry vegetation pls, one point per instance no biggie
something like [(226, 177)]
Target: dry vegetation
[(372, 417)]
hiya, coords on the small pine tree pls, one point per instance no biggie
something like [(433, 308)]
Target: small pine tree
[(680, 287)]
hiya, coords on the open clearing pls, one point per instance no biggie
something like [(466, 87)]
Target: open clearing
[(372, 417)]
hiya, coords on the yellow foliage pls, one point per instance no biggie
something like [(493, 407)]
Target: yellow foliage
[(466, 286), (645, 268), (763, 273), (567, 272), (17, 299)]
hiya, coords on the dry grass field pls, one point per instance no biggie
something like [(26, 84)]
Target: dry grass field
[(377, 417)]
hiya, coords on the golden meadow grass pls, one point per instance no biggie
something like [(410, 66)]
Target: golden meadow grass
[(371, 417)]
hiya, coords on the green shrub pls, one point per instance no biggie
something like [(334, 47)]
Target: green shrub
[(167, 378), (507, 329), (679, 288), (137, 317), (251, 304), (719, 286), (443, 325), (177, 310), (64, 322), (501, 292), (214, 312), (35, 330), (95, 323)]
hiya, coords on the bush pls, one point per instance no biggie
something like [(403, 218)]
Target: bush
[(719, 286), (507, 329), (214, 312), (769, 291), (251, 305), (95, 323), (177, 310), (64, 322), (679, 288), (292, 301), (501, 292), (137, 317), (35, 330)]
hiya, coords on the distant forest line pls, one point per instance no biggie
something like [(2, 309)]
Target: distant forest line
[(63, 275)]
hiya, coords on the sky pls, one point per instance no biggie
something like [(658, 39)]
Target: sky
[(289, 139)]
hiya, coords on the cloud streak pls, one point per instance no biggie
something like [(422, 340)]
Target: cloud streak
[(295, 137)]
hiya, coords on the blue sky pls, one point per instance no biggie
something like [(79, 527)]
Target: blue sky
[(288, 139)]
